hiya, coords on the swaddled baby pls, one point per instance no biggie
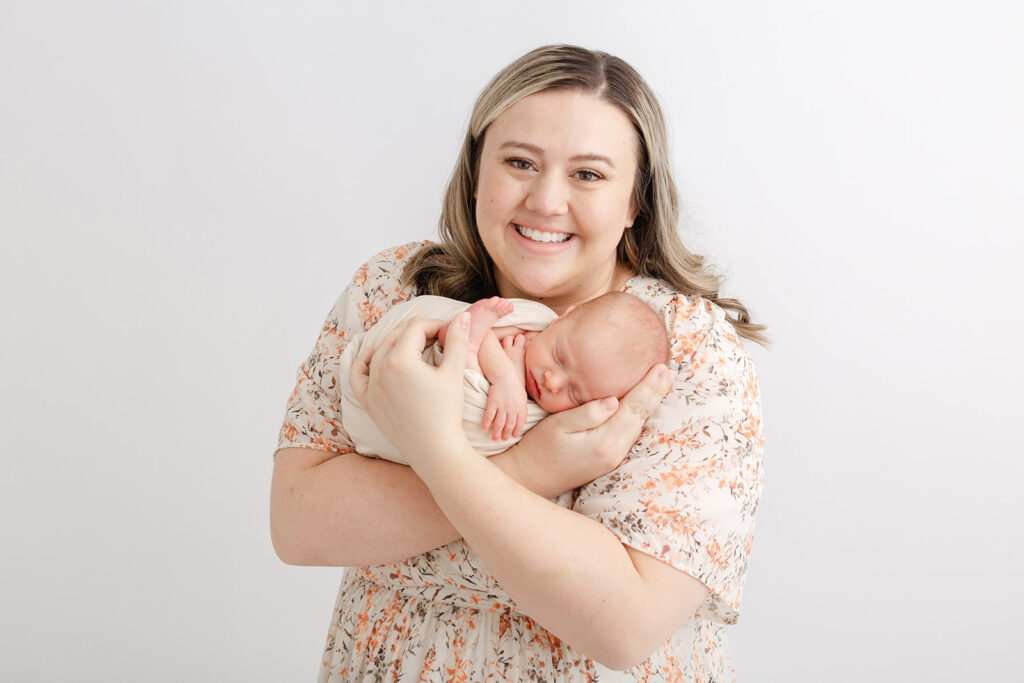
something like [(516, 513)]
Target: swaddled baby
[(537, 363)]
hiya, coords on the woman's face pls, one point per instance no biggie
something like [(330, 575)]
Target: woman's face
[(554, 194)]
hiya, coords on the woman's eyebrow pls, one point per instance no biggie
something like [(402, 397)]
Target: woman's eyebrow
[(523, 145), (592, 157), (540, 152)]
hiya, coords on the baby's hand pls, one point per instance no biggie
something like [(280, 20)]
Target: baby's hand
[(506, 410)]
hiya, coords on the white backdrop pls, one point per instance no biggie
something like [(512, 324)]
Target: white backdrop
[(186, 187)]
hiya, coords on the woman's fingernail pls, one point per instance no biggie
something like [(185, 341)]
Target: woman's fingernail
[(462, 320), (609, 404), (664, 373)]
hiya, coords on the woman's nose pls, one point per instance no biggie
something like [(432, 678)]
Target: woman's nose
[(548, 195)]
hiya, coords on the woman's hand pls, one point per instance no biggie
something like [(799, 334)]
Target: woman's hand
[(569, 449), (418, 406)]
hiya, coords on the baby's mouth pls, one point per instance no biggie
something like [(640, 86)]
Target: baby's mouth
[(531, 386)]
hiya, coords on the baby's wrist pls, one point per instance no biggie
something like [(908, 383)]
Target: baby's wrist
[(504, 380)]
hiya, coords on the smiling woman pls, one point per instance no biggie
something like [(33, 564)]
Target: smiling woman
[(463, 567)]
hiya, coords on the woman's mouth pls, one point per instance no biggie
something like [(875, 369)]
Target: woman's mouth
[(541, 236)]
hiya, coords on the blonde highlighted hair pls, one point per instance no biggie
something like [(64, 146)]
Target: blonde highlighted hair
[(459, 267)]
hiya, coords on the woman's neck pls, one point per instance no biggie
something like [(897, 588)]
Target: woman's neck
[(619, 277)]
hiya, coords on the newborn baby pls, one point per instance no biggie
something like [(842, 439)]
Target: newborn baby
[(600, 348)]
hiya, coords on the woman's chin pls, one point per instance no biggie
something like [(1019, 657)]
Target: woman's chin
[(540, 285)]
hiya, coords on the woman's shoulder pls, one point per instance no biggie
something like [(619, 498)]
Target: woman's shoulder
[(376, 286), (387, 265), (697, 327)]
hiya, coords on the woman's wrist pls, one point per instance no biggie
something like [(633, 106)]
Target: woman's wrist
[(436, 456), (509, 462)]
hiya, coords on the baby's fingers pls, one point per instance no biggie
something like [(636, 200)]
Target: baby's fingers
[(488, 417), (520, 423), (498, 426)]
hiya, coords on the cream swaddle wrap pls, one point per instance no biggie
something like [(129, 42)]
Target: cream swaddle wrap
[(369, 440)]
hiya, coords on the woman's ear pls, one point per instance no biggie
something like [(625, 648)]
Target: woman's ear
[(634, 211)]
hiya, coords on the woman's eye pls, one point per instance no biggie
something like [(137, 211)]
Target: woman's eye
[(521, 164), (587, 176)]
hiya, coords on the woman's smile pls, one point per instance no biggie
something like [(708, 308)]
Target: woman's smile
[(541, 235), (541, 241)]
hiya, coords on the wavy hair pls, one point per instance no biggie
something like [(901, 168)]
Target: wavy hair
[(459, 267)]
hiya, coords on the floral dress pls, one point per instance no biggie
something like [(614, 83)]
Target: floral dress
[(687, 494)]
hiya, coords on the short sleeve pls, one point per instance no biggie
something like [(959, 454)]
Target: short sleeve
[(313, 414), (689, 489)]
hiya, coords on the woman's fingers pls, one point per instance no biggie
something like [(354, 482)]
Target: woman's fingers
[(417, 405), (408, 339), (416, 335), (359, 376), (455, 345), (410, 336), (644, 398), (625, 417), (587, 416), (388, 343)]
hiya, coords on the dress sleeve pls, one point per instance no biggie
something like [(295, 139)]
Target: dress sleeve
[(313, 415), (688, 491)]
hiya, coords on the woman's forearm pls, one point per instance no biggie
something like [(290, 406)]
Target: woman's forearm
[(565, 570), (350, 511)]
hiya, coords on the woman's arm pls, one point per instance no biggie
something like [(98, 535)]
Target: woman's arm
[(567, 571), (330, 509), (347, 510)]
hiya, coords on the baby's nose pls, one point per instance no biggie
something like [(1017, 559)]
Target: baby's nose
[(553, 381)]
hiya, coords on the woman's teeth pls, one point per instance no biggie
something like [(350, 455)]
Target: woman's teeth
[(538, 236)]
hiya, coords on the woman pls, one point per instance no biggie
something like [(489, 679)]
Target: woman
[(562, 192)]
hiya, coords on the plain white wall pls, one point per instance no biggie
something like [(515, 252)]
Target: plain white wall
[(186, 187)]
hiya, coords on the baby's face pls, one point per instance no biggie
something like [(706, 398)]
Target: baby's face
[(568, 364)]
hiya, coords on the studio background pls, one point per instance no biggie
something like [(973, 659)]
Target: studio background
[(185, 188)]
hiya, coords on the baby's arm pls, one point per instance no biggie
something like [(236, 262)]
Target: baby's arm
[(506, 399)]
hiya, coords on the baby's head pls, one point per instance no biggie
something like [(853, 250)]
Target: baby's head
[(597, 349)]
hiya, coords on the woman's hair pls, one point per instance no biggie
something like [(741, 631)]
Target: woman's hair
[(459, 266)]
